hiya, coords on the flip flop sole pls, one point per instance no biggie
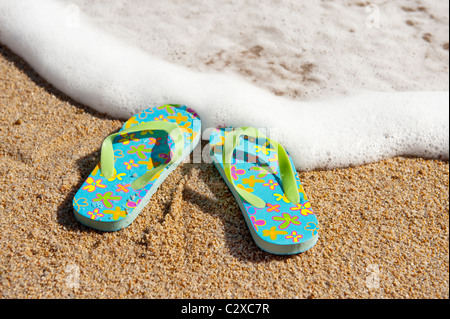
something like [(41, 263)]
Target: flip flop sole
[(112, 204), (281, 227)]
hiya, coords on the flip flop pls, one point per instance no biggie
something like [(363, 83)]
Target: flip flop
[(262, 178), (134, 162)]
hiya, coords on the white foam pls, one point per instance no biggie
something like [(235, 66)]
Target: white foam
[(113, 76), (302, 50)]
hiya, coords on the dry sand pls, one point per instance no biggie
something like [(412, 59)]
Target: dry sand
[(384, 226)]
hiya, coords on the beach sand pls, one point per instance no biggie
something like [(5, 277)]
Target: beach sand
[(383, 226)]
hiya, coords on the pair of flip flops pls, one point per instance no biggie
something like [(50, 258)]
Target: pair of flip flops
[(151, 144)]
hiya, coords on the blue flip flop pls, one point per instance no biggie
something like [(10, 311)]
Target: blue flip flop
[(262, 178), (134, 162)]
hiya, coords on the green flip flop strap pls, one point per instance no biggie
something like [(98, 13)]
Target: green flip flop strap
[(286, 170), (107, 152)]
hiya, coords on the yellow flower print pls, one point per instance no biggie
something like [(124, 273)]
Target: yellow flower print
[(302, 191), (251, 181), (305, 208), (127, 138), (271, 184), (250, 190), (185, 128), (179, 118), (93, 184), (281, 197), (131, 121), (273, 232), (95, 213), (156, 176), (130, 164), (116, 213), (274, 158), (123, 188), (146, 131), (294, 236), (115, 175), (221, 138), (263, 149), (149, 163), (160, 118), (192, 136), (273, 208), (96, 169), (220, 142)]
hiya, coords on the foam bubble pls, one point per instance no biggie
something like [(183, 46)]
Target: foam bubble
[(115, 77)]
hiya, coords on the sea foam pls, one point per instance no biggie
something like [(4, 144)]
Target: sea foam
[(116, 77)]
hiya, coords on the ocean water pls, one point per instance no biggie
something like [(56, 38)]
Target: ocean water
[(337, 83)]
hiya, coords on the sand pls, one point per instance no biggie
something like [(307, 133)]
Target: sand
[(383, 226)]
